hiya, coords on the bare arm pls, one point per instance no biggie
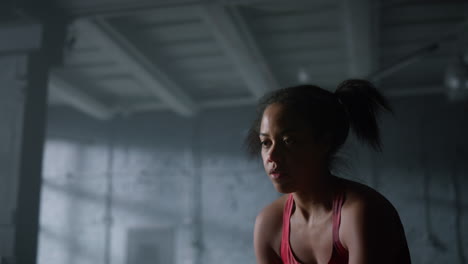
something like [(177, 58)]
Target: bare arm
[(264, 252), (267, 233)]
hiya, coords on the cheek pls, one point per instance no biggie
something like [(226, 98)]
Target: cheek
[(304, 160), (265, 161)]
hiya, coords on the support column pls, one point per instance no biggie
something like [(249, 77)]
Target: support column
[(34, 123), (18, 39), (11, 116), (28, 50)]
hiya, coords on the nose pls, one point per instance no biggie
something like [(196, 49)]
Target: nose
[(274, 153)]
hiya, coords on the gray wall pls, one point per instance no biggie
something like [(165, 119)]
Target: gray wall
[(161, 179)]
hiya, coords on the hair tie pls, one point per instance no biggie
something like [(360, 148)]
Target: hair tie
[(339, 101), (342, 105), (338, 98)]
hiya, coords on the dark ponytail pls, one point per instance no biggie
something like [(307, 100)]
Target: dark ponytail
[(363, 103)]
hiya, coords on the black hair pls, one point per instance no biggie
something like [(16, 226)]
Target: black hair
[(355, 104)]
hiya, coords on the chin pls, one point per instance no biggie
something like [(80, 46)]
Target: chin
[(283, 188)]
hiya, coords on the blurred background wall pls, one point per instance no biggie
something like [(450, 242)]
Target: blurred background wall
[(149, 102), (162, 168)]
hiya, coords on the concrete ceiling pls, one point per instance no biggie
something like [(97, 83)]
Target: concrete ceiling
[(185, 56)]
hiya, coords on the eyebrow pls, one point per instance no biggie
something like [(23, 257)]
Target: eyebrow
[(289, 130)]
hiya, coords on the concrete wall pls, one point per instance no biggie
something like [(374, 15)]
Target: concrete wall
[(158, 179), (424, 171)]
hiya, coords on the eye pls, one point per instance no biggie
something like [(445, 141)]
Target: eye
[(289, 140), (265, 143)]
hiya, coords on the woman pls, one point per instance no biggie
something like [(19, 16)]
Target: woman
[(321, 218)]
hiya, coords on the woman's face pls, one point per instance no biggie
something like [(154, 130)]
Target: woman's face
[(292, 158)]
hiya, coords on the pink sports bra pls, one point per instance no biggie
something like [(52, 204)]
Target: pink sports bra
[(339, 254)]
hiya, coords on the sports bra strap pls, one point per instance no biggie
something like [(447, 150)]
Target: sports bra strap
[(337, 205)]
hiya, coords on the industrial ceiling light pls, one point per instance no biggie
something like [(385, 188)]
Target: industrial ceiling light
[(456, 78), (303, 75)]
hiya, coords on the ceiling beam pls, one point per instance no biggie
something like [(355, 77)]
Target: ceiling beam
[(235, 102), (208, 104), (420, 53), (361, 30), (400, 92), (144, 107), (415, 91), (67, 91), (231, 31), (119, 8), (404, 62), (139, 66)]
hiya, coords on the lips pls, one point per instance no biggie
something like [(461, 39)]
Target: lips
[(277, 174)]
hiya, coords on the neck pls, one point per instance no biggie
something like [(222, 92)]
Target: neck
[(315, 202)]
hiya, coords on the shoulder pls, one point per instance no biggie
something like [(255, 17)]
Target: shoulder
[(370, 221), (363, 201), (268, 224), (270, 218)]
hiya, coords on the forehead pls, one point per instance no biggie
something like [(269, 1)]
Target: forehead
[(277, 118)]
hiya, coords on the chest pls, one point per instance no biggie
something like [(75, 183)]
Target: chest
[(311, 244)]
